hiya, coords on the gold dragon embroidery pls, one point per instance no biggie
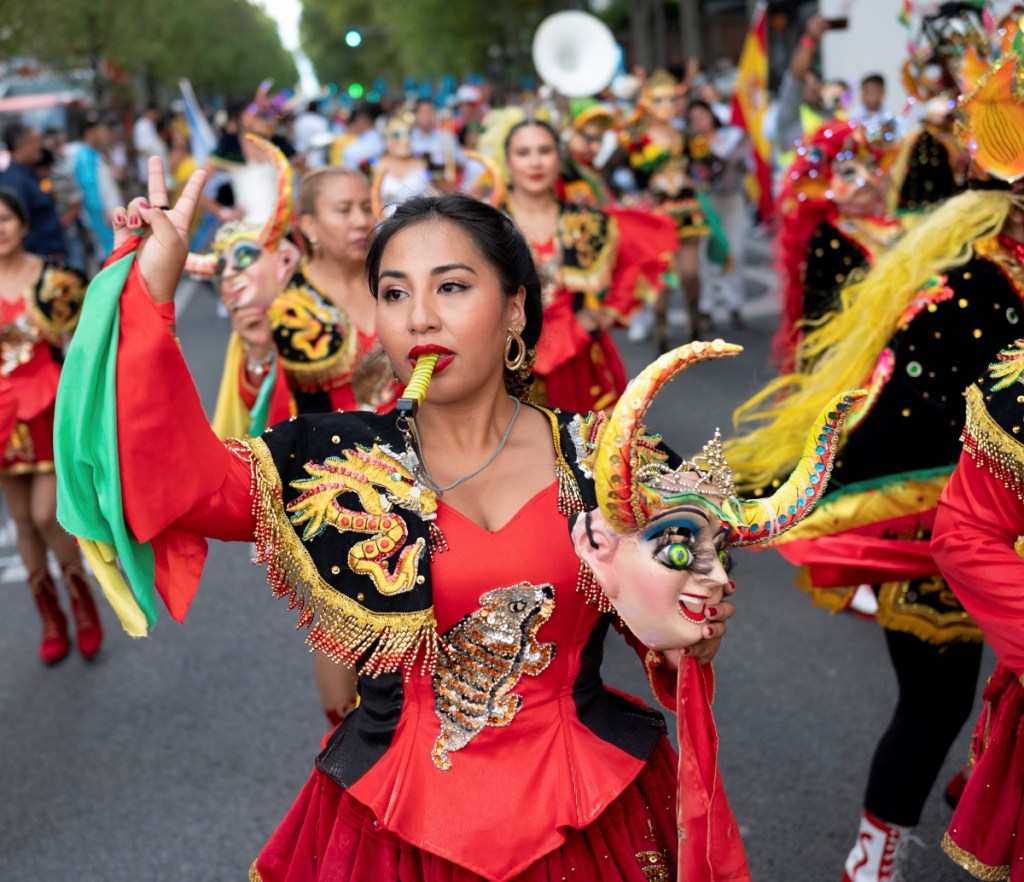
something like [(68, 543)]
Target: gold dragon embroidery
[(382, 483), (482, 660), (306, 321)]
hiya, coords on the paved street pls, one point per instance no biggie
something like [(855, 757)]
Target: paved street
[(173, 758)]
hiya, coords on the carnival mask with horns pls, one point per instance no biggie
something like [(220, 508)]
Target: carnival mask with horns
[(237, 244), (658, 541)]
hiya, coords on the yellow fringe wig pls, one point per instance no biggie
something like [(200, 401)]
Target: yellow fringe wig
[(845, 346)]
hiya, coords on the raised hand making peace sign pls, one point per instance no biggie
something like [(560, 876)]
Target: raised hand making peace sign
[(162, 253)]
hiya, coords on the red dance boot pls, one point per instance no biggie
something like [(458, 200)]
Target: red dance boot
[(55, 645), (878, 853), (88, 628)]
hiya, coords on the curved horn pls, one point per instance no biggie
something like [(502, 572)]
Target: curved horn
[(202, 266), (376, 203), (617, 455), (498, 189), (759, 520), (278, 221)]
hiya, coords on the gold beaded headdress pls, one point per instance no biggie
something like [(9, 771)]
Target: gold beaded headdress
[(634, 482)]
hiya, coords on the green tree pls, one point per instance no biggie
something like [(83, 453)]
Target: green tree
[(225, 47), (425, 38)]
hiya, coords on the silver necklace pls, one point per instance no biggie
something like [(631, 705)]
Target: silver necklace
[(423, 473)]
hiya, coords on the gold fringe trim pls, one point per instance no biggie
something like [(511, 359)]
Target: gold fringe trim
[(341, 628), (971, 864), (894, 614), (337, 366), (835, 600), (990, 445), (254, 874)]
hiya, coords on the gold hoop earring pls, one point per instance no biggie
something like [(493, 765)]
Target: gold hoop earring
[(517, 362)]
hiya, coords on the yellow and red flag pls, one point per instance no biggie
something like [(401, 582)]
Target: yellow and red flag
[(749, 105)]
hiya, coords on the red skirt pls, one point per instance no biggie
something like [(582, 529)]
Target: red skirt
[(986, 835), (29, 449), (329, 836)]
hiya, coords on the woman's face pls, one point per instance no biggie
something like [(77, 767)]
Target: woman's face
[(700, 121), (437, 293), (533, 160), (343, 219), (12, 231)]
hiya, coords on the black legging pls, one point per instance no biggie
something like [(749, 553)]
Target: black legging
[(936, 694)]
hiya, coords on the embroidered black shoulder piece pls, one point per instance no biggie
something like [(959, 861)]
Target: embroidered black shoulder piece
[(345, 529), (994, 431)]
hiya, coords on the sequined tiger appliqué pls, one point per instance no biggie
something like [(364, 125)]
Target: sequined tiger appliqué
[(481, 661)]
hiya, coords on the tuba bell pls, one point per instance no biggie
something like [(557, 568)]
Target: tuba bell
[(575, 53)]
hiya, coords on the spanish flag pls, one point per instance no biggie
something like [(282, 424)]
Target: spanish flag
[(749, 104)]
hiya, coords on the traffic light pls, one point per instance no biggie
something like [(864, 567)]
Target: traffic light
[(353, 39)]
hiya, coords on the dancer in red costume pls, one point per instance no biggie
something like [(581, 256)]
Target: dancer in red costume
[(431, 554), (39, 305), (980, 520), (577, 364), (834, 222)]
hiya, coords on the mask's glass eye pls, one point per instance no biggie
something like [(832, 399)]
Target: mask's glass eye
[(675, 555), (245, 256), (517, 606), (725, 559)]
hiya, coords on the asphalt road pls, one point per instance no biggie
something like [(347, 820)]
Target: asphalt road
[(173, 758)]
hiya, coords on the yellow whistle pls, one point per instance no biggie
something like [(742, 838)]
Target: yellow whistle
[(416, 390)]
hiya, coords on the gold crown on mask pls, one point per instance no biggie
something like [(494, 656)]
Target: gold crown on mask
[(707, 474)]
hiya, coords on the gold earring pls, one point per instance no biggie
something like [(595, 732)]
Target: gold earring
[(517, 362), (314, 245)]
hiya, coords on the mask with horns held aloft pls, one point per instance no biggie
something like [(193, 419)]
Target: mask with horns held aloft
[(658, 541), (239, 244)]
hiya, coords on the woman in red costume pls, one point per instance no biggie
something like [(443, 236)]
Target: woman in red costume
[(979, 523), (578, 367), (834, 222), (430, 552), (39, 305)]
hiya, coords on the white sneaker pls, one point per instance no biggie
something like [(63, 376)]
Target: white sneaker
[(864, 601), (641, 324), (878, 853)]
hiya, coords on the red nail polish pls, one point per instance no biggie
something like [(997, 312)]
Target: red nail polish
[(144, 204), (709, 632), (686, 650), (712, 611)]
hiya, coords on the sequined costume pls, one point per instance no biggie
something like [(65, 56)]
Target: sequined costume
[(933, 168), (647, 240), (980, 519), (823, 243), (482, 707), (576, 369), (876, 522), (33, 330), (321, 353)]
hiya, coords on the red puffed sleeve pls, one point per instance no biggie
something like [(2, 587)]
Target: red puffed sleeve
[(978, 523), (179, 482)]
